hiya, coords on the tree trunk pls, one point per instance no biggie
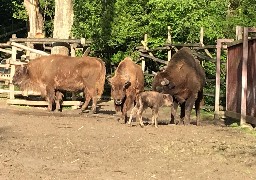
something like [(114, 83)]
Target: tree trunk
[(63, 22), (35, 17), (35, 24)]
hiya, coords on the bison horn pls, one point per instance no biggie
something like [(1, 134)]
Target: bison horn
[(165, 82), (154, 73)]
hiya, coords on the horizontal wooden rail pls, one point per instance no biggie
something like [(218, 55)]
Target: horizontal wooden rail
[(51, 40)]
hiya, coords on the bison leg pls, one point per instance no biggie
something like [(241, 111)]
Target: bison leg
[(173, 112), (127, 106), (133, 112), (139, 113), (182, 114), (87, 100), (197, 107), (50, 96), (154, 117), (58, 100), (188, 108), (94, 104)]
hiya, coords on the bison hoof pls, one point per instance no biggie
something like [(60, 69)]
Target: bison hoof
[(141, 125)]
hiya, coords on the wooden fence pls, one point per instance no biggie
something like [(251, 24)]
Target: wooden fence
[(241, 84)]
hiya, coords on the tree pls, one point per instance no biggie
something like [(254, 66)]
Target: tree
[(63, 22), (35, 17)]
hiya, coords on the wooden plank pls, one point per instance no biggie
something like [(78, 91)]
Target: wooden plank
[(11, 86), (169, 39), (234, 43), (153, 58), (251, 29), (248, 119), (184, 45), (51, 40), (29, 49), (239, 32), (244, 77), (40, 103), (8, 44), (217, 82), (6, 51)]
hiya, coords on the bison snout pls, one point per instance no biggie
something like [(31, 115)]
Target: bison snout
[(118, 101)]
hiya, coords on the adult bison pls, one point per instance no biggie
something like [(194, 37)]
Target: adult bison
[(184, 79), (127, 82), (49, 74)]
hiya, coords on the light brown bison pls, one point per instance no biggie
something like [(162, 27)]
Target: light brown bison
[(127, 82), (153, 100), (49, 74), (184, 79)]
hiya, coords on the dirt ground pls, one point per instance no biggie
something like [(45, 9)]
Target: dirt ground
[(36, 144)]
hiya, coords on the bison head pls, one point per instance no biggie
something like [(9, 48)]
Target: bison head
[(21, 74), (168, 100), (118, 88), (161, 83)]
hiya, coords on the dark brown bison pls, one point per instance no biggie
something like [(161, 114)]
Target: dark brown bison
[(49, 74), (184, 79), (127, 82), (153, 100)]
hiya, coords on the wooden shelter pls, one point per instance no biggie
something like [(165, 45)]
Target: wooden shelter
[(241, 84)]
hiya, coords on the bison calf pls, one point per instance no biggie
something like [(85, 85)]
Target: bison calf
[(153, 100)]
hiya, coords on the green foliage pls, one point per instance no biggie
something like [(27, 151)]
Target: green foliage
[(19, 11)]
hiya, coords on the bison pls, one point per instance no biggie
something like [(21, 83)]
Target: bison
[(153, 100), (127, 82), (184, 79), (48, 74)]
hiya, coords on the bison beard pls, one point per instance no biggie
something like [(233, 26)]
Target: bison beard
[(127, 82), (49, 74), (184, 79)]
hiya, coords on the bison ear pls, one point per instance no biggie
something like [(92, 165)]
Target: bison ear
[(154, 73), (25, 69), (165, 82), (167, 96)]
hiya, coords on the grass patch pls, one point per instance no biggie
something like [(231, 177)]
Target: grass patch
[(248, 130)]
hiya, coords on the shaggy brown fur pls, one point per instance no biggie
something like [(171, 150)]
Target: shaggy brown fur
[(184, 79), (57, 72), (153, 100), (127, 82)]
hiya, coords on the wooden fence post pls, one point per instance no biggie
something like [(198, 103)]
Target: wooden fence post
[(217, 90), (145, 42), (239, 32), (169, 40), (244, 77), (14, 53), (73, 54)]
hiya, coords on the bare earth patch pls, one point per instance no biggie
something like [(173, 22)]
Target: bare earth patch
[(36, 144)]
